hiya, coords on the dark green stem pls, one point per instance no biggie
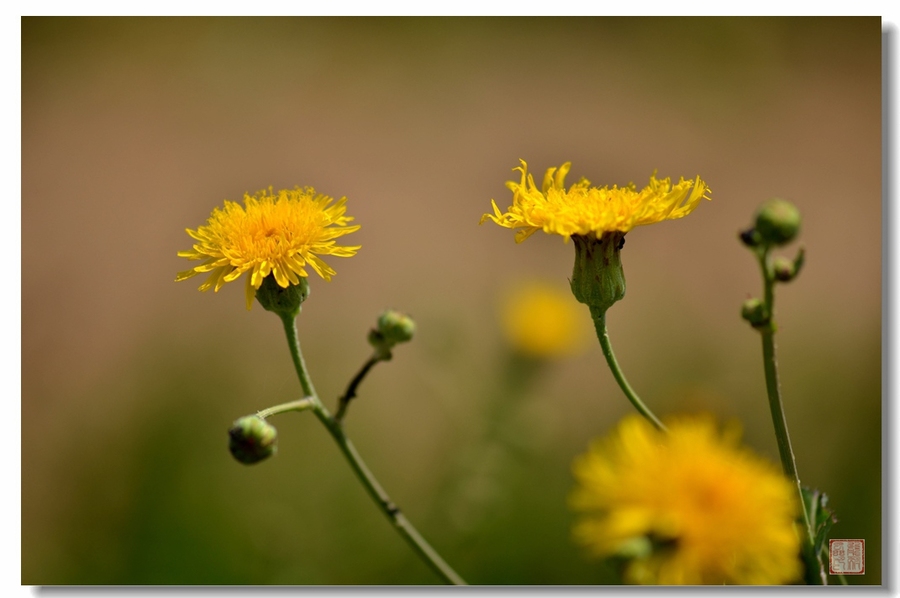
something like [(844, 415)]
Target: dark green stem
[(354, 384), (599, 318), (374, 489)]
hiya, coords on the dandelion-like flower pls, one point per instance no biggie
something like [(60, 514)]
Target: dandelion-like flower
[(582, 209), (687, 507), (596, 219), (541, 321), (272, 233)]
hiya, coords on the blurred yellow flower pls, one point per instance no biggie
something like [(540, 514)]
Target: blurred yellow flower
[(542, 321), (687, 507), (277, 233), (584, 209)]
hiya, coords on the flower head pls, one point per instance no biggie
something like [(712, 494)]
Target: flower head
[(583, 209), (687, 507), (272, 233), (539, 320)]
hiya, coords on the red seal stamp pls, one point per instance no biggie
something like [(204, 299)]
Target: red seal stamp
[(847, 557)]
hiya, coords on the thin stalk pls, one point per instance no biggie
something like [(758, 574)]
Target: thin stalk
[(369, 482), (354, 384), (600, 325), (384, 502), (776, 405), (298, 405)]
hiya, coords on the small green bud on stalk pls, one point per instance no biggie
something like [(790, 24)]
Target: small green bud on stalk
[(777, 222), (754, 312), (391, 329), (783, 269), (252, 439), (282, 301), (396, 327)]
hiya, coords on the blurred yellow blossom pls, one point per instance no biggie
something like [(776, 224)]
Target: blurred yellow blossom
[(540, 320), (687, 507), (278, 233), (583, 209)]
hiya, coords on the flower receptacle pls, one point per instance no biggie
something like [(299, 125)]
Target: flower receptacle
[(282, 301), (598, 280)]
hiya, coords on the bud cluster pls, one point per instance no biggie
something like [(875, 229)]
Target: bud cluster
[(777, 223)]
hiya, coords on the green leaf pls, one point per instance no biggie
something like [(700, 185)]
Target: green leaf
[(821, 517)]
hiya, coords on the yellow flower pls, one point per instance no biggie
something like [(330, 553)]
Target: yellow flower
[(273, 233), (687, 507), (541, 321), (584, 209)]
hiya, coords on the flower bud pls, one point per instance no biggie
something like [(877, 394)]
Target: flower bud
[(754, 312), (282, 301), (395, 327), (778, 221), (783, 269), (252, 439), (597, 278)]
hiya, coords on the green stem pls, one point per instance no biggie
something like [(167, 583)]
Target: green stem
[(600, 325), (298, 405), (290, 329), (776, 406), (369, 482)]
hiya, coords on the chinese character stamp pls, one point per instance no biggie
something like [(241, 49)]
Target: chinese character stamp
[(847, 557)]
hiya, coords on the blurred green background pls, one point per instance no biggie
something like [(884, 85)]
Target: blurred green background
[(133, 129)]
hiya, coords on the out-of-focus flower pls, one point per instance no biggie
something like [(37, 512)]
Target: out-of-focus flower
[(686, 507), (272, 233), (539, 320)]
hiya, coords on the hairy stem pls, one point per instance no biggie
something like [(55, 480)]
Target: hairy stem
[(599, 318)]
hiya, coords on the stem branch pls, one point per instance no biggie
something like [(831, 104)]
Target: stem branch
[(298, 405), (369, 482)]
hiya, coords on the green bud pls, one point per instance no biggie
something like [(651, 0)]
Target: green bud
[(252, 439), (282, 301), (597, 278), (777, 222), (783, 269), (754, 312), (395, 327)]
